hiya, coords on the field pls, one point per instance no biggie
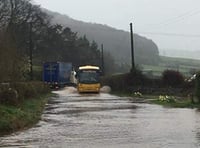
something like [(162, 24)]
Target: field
[(186, 66)]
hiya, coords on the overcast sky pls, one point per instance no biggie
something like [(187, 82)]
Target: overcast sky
[(171, 24)]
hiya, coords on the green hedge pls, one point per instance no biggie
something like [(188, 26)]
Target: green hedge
[(126, 82), (137, 82), (17, 92), (197, 86), (172, 78)]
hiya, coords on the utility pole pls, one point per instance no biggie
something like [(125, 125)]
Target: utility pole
[(132, 48), (31, 51), (102, 59)]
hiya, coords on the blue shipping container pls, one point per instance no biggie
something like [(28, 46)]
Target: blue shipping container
[(57, 73)]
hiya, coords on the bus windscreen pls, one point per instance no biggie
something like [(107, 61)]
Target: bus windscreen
[(89, 76)]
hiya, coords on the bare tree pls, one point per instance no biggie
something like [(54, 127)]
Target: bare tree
[(15, 19)]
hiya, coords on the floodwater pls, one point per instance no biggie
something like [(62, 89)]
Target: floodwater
[(73, 120)]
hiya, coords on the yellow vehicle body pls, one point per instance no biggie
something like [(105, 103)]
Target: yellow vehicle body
[(89, 88), (88, 79)]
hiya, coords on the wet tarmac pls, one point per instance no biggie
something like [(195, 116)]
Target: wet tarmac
[(73, 120)]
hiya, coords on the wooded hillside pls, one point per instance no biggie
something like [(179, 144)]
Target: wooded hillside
[(27, 38), (115, 41)]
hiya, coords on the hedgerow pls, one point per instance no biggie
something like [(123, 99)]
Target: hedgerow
[(15, 93)]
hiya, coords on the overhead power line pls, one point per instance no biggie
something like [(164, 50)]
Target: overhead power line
[(180, 17), (171, 34)]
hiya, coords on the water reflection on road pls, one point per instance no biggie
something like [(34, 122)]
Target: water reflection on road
[(103, 120)]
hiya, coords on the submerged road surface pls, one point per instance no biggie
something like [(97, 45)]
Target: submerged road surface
[(103, 120)]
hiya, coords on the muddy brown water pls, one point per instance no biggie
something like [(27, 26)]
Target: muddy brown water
[(103, 120)]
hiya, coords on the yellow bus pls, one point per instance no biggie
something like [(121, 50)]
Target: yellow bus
[(88, 79)]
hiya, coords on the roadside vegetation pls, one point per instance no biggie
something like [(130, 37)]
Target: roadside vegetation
[(14, 118), (21, 105), (27, 39), (171, 89)]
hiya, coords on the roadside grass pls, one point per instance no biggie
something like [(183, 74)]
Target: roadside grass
[(173, 101), (177, 102), (14, 118)]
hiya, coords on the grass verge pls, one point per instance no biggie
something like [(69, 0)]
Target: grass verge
[(177, 102), (14, 118)]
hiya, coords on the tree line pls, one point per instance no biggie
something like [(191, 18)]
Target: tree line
[(26, 31)]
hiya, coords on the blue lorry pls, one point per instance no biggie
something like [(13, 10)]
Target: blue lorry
[(58, 74)]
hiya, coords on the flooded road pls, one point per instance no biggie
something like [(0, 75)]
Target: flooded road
[(103, 120)]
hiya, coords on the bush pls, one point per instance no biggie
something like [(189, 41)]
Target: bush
[(197, 86), (134, 78), (172, 78), (9, 96), (17, 92), (116, 82), (125, 82)]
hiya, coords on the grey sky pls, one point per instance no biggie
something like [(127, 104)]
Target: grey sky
[(166, 18)]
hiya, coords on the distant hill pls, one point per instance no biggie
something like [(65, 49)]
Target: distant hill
[(115, 41)]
